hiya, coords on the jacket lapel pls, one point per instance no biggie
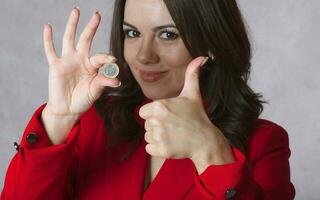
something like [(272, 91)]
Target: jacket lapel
[(173, 181)]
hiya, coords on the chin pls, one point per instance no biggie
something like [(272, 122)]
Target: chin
[(156, 94)]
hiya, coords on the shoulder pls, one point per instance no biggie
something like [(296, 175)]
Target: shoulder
[(266, 137), (268, 130)]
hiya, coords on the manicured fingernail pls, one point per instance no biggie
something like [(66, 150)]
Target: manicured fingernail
[(204, 61), (210, 54), (48, 25)]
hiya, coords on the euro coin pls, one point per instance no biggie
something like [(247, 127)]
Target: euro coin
[(110, 70)]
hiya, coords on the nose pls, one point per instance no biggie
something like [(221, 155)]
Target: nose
[(147, 52)]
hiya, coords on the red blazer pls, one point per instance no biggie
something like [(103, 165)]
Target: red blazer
[(81, 168)]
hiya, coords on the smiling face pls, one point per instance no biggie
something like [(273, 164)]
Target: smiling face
[(153, 49)]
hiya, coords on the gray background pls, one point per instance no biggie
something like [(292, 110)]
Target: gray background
[(285, 37)]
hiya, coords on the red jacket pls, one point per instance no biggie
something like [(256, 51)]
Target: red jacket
[(81, 168)]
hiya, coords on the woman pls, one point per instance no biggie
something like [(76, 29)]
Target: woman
[(180, 126)]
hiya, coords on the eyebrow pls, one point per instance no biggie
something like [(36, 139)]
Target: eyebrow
[(154, 28)]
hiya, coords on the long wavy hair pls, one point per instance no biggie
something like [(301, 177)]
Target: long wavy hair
[(215, 26)]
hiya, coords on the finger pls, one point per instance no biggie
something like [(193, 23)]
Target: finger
[(70, 32), (152, 149), (146, 111), (87, 35), (48, 43), (149, 138), (151, 123), (100, 81), (99, 60), (158, 135), (147, 125), (155, 108), (191, 87)]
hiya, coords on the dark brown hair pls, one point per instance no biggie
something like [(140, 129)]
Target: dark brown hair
[(205, 26)]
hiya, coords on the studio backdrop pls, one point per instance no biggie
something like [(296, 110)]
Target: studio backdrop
[(285, 38)]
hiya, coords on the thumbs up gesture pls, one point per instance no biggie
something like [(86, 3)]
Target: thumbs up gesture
[(180, 128)]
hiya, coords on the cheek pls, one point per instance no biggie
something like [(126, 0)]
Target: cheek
[(177, 62), (128, 52), (177, 78), (175, 82), (176, 57), (129, 55)]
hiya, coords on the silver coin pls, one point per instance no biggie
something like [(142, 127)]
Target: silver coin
[(110, 70)]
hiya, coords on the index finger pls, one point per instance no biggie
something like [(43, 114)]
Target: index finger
[(146, 111)]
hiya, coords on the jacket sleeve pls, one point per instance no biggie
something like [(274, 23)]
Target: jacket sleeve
[(40, 170), (268, 178)]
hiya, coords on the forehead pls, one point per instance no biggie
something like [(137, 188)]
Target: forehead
[(146, 12)]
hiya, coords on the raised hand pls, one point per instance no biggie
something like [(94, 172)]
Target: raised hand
[(180, 128), (74, 81)]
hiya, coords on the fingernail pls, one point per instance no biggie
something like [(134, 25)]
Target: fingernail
[(97, 13), (76, 7), (48, 25), (210, 54), (204, 61)]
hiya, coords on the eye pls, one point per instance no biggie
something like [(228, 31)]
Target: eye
[(131, 33), (169, 35)]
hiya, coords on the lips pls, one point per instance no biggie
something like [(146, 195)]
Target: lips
[(151, 76)]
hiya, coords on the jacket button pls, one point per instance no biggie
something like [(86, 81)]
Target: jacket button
[(16, 146), (32, 138), (229, 193)]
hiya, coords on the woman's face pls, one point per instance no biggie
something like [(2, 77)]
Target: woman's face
[(153, 49)]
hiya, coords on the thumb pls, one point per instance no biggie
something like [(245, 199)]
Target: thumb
[(191, 87)]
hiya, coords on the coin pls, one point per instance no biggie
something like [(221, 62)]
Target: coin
[(110, 70)]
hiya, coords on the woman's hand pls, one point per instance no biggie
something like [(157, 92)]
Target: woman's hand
[(180, 128), (74, 82)]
